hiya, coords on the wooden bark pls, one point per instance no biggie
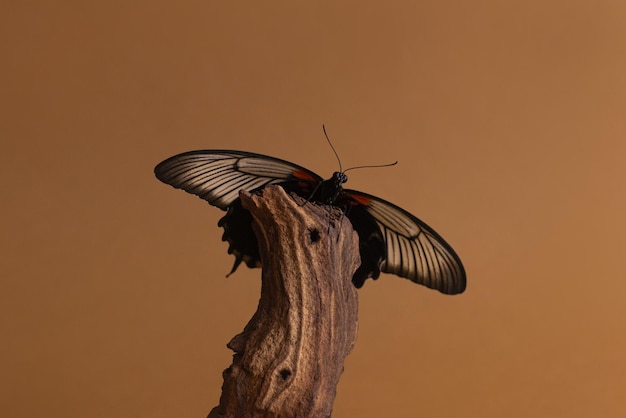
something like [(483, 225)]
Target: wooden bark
[(289, 358)]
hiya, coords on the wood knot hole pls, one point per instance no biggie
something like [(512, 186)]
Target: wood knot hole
[(285, 373), (314, 235)]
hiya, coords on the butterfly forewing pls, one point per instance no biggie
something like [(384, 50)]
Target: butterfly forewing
[(217, 176), (414, 250)]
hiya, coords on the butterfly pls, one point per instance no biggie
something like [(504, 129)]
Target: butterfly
[(391, 240)]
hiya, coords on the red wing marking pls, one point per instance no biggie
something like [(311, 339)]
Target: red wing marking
[(303, 175), (360, 199)]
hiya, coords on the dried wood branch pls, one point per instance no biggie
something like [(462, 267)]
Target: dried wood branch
[(289, 358)]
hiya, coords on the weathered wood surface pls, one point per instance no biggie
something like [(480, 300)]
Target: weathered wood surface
[(289, 358)]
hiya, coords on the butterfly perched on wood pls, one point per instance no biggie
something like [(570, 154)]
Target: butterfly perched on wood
[(391, 240)]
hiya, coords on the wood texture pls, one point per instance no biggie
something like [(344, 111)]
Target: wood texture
[(289, 358)]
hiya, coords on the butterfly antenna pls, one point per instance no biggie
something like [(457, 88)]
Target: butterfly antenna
[(372, 166), (333, 148)]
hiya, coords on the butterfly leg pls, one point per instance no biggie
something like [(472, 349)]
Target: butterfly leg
[(312, 194)]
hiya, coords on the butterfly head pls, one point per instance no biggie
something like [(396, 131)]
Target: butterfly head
[(339, 178)]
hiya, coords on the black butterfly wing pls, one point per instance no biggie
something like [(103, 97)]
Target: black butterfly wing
[(217, 176), (412, 249)]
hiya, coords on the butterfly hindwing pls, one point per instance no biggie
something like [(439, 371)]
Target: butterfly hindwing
[(413, 249), (217, 176)]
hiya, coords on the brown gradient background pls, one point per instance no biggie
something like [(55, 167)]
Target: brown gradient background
[(507, 117)]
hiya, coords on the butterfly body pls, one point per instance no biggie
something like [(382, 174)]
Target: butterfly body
[(390, 239), (329, 190)]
